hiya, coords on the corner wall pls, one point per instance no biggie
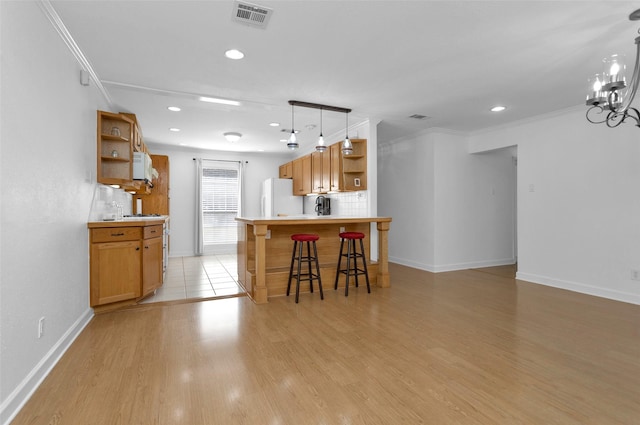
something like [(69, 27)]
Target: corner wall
[(578, 202), (451, 210)]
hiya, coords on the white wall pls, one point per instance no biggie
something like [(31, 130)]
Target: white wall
[(182, 176), (48, 143), (406, 193), (474, 205), (578, 202), (451, 210)]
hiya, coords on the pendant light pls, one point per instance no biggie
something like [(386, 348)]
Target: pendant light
[(293, 142), (321, 147), (347, 148)]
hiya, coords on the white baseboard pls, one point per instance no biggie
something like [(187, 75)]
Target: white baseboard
[(452, 267), (582, 288), (18, 397), (412, 264)]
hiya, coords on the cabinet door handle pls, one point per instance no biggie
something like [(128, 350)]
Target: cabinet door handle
[(137, 248), (117, 234), (153, 231), (146, 247)]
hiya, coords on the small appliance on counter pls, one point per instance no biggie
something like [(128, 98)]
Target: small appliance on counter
[(323, 205)]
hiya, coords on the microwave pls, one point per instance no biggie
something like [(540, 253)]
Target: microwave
[(142, 169)]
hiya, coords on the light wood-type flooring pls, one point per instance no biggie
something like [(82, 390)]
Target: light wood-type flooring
[(466, 347)]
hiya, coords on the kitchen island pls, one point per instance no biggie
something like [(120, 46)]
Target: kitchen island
[(265, 245)]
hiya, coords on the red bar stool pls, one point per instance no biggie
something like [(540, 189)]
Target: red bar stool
[(310, 276), (352, 254)]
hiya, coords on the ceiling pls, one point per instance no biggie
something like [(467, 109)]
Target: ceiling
[(386, 60)]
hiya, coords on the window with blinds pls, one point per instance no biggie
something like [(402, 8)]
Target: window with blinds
[(220, 193)]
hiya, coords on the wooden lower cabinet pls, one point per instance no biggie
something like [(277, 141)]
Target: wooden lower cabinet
[(152, 261), (126, 262), (115, 269)]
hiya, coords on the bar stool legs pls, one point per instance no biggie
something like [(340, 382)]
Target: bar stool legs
[(352, 253), (298, 240)]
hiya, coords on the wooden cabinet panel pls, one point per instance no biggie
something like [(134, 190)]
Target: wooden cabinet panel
[(286, 171), (302, 175), (115, 272), (157, 201), (116, 234), (335, 160), (152, 263), (320, 171)]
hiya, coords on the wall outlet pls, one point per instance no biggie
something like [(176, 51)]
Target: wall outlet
[(341, 229), (41, 327), (268, 235), (635, 274)]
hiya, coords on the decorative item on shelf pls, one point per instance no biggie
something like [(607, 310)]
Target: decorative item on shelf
[(114, 153), (115, 131), (606, 91), (321, 147), (293, 142)]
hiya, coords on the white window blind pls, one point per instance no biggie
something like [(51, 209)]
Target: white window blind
[(220, 203)]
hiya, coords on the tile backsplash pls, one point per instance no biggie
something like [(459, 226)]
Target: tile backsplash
[(103, 199), (352, 204)]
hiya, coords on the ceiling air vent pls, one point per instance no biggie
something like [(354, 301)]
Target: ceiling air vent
[(419, 117), (251, 14)]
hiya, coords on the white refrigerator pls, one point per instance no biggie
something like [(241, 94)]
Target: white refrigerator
[(278, 199)]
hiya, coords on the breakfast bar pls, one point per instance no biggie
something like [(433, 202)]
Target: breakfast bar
[(264, 250)]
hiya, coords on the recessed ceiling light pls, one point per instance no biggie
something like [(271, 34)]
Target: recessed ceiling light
[(174, 108), (221, 101), (233, 136), (274, 124), (182, 144), (260, 150), (234, 54), (498, 109), (174, 129), (284, 140)]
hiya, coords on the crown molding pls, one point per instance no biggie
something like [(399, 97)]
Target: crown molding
[(60, 27)]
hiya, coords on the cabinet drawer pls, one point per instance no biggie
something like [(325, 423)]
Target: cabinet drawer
[(111, 234), (153, 231)]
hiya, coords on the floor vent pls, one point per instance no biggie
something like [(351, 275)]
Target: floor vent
[(251, 14)]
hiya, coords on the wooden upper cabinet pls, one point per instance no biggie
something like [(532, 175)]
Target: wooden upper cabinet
[(157, 201), (136, 138), (286, 170), (118, 137), (320, 171), (115, 152), (331, 171), (354, 166), (335, 160), (302, 175)]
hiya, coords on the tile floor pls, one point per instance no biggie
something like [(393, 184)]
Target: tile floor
[(206, 276)]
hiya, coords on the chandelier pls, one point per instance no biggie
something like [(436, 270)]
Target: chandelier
[(609, 94)]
